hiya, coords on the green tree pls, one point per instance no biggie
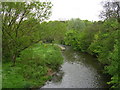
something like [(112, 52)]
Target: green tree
[(113, 67), (53, 31), (76, 24), (19, 23)]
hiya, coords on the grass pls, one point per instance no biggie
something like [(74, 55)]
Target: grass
[(32, 67)]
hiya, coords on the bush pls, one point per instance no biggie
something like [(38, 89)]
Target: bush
[(32, 67), (113, 67)]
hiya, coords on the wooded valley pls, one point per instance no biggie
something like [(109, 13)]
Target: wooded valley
[(30, 52)]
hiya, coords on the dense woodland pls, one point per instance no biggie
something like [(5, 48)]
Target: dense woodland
[(30, 55)]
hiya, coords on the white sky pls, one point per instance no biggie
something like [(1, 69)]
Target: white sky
[(83, 9)]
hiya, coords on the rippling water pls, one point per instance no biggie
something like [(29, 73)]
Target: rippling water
[(79, 70)]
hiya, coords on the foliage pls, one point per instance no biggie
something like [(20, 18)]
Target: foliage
[(81, 39), (99, 39), (76, 24), (113, 67), (23, 27), (33, 72), (111, 9), (71, 38), (104, 41), (20, 23), (53, 31), (11, 77)]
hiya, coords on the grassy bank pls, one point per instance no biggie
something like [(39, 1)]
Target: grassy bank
[(33, 68)]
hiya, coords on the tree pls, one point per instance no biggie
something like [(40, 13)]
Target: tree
[(53, 31), (76, 24), (111, 10), (20, 23)]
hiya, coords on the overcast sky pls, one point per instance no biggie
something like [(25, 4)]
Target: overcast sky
[(83, 9)]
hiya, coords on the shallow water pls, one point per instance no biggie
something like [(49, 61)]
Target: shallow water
[(79, 70)]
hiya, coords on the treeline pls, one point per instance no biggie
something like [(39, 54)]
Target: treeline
[(100, 39), (52, 31), (22, 28)]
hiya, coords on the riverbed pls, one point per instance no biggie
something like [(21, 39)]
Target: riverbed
[(79, 70)]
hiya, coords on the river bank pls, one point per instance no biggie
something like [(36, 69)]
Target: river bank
[(33, 68), (79, 70)]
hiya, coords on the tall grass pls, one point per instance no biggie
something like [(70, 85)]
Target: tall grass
[(32, 67)]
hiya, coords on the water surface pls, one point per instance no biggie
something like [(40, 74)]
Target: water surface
[(79, 70)]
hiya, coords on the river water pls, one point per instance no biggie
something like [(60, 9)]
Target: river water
[(79, 70)]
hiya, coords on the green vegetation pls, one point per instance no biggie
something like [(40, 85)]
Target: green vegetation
[(29, 62), (20, 26), (99, 39), (26, 62), (40, 62), (53, 31)]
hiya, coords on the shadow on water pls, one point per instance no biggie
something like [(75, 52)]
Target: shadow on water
[(79, 70)]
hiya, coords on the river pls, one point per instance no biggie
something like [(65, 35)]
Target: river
[(79, 70)]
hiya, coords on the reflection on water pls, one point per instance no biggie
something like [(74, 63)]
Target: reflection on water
[(79, 70)]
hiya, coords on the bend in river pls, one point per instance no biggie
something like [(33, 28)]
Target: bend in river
[(79, 70)]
